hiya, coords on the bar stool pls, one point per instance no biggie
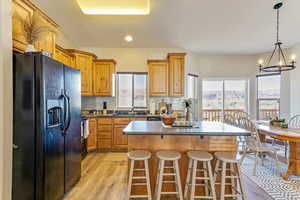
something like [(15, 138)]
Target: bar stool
[(234, 170), (205, 158), (144, 156), (164, 156)]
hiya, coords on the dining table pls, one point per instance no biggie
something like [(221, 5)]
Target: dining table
[(292, 135)]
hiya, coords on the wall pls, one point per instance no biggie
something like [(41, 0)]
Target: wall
[(229, 66), (64, 41), (295, 82), (5, 100)]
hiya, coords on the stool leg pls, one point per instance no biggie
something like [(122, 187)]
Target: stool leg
[(205, 181), (130, 178), (175, 178), (244, 196), (148, 179), (194, 174), (211, 180), (160, 179), (157, 178), (223, 180), (188, 177), (178, 180), (233, 190), (216, 170)]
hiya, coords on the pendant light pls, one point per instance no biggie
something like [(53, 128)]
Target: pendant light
[(282, 64)]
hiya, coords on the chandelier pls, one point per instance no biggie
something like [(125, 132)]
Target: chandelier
[(282, 64)]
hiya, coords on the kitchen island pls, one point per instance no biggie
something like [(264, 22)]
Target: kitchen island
[(154, 136)]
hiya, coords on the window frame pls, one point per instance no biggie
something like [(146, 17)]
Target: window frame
[(132, 84), (247, 80), (267, 99)]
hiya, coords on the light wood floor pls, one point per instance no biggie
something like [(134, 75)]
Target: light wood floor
[(104, 177)]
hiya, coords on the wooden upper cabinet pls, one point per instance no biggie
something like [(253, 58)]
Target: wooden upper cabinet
[(24, 9), (84, 62), (158, 77), (176, 74), (104, 71), (64, 56)]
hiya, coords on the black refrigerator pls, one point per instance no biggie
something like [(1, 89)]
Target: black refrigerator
[(47, 133)]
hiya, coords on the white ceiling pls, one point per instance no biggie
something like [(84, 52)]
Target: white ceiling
[(206, 26)]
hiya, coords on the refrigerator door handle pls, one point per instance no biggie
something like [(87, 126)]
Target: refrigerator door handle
[(68, 113), (65, 110)]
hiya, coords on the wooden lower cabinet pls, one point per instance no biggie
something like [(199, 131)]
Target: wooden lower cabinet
[(120, 141), (104, 138), (106, 134), (92, 138)]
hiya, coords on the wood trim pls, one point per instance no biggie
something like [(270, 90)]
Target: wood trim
[(106, 60), (157, 61), (176, 54), (64, 50), (74, 51)]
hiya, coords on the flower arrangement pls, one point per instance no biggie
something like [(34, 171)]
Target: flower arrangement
[(33, 27)]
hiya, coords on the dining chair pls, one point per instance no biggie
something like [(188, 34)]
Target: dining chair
[(294, 122), (254, 145)]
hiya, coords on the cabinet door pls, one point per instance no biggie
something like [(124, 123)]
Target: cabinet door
[(176, 67), (47, 43), (20, 10), (103, 73), (92, 138), (120, 141), (85, 64), (158, 78), (63, 57)]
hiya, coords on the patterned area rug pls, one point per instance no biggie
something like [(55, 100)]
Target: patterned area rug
[(269, 180)]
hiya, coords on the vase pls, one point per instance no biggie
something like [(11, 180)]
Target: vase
[(30, 48)]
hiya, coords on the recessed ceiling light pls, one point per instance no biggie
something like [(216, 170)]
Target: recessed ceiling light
[(128, 38), (115, 7)]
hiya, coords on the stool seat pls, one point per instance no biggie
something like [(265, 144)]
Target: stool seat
[(200, 155), (229, 157), (168, 155), (139, 155)]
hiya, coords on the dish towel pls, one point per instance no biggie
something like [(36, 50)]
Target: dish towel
[(85, 128)]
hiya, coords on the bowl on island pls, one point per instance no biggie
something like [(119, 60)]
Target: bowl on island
[(168, 120)]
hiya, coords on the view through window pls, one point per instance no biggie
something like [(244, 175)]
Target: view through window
[(223, 96), (268, 96), (132, 90)]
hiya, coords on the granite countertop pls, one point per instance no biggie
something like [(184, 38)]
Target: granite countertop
[(203, 128), (116, 115)]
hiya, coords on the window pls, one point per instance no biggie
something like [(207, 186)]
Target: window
[(268, 96), (192, 86), (132, 90), (223, 96)]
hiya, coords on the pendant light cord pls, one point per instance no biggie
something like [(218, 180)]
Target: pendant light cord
[(277, 36)]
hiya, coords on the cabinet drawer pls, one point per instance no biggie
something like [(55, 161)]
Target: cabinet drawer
[(104, 143), (105, 120), (105, 128), (122, 121), (105, 135)]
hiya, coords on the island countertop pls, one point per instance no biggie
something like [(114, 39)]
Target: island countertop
[(202, 128)]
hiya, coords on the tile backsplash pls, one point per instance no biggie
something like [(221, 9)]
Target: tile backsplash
[(96, 103)]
